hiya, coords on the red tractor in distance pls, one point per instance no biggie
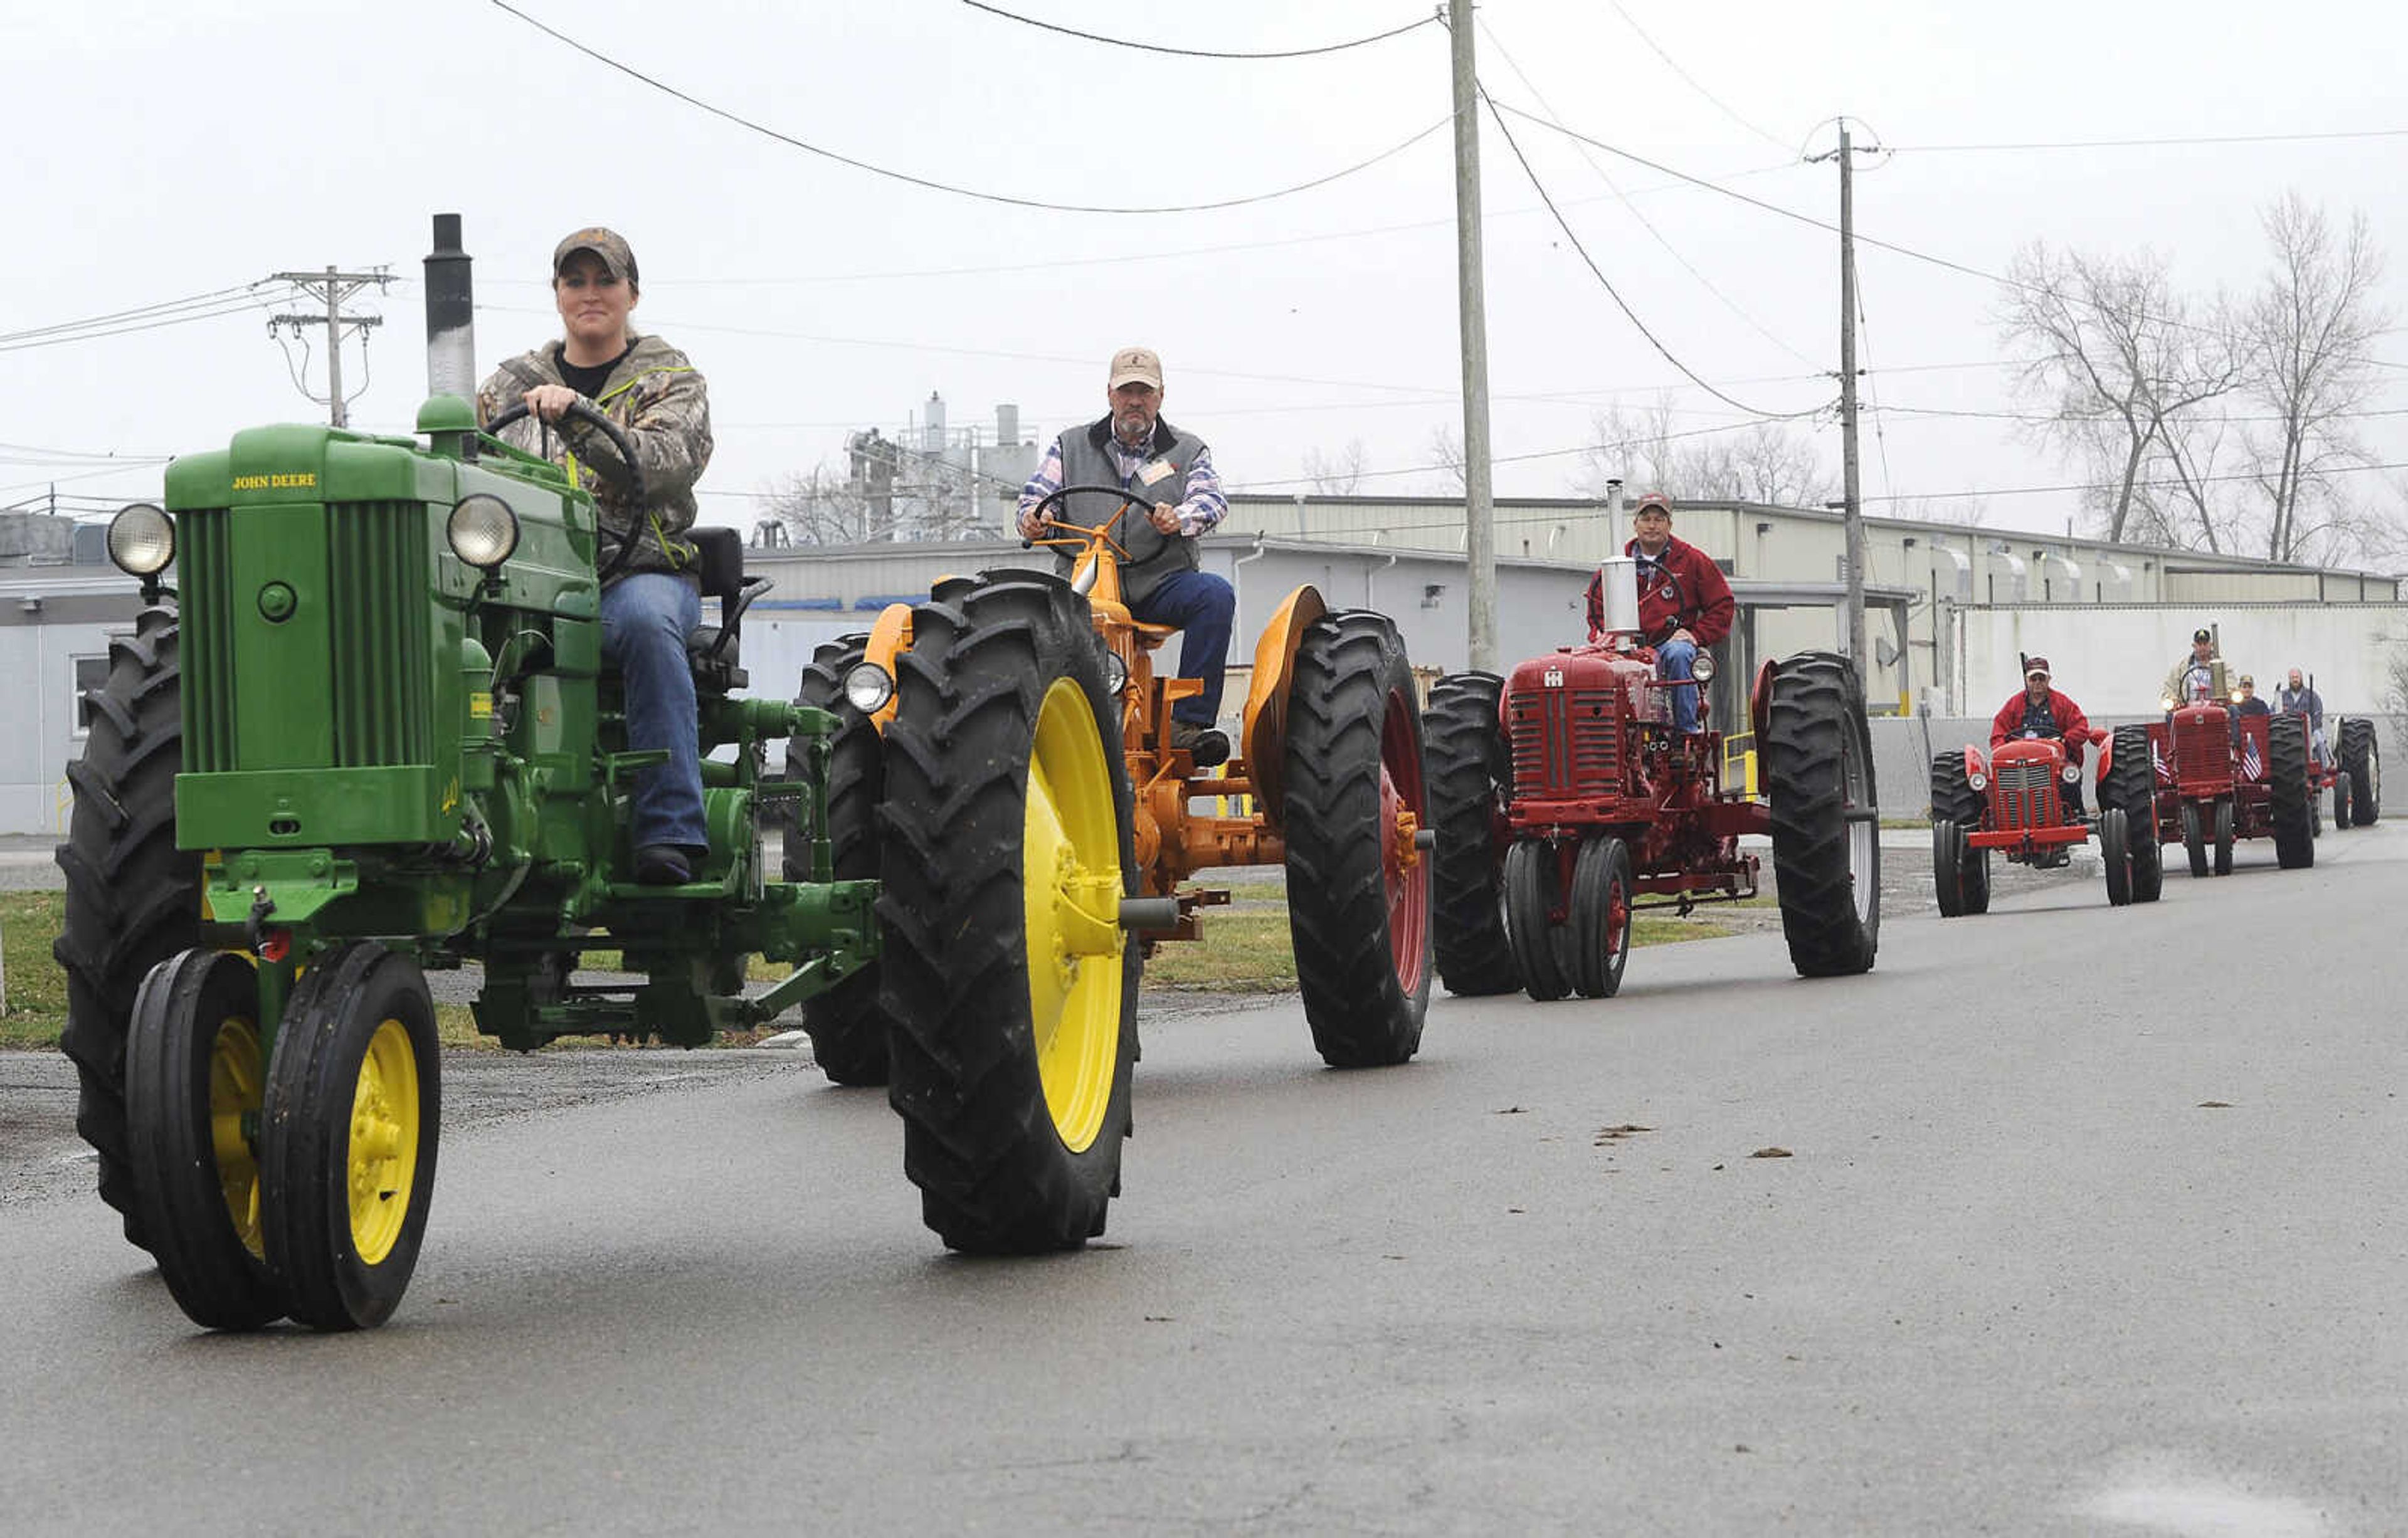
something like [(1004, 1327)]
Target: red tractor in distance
[(1563, 801), (2016, 803), (2221, 777)]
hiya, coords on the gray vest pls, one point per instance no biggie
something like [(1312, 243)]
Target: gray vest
[(1152, 555)]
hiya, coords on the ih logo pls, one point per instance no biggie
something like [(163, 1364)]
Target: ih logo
[(1554, 678)]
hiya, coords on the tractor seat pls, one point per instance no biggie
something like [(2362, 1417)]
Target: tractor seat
[(714, 651), (1151, 636)]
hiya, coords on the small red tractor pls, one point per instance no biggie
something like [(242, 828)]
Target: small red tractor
[(1563, 801), (2016, 803), (2222, 777)]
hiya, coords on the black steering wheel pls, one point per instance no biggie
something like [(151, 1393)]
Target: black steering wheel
[(1664, 577), (1128, 500), (587, 412)]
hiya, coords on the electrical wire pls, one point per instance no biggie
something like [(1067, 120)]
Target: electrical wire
[(1644, 224), (139, 312), (1197, 52), (1607, 284), (2139, 144), (1673, 64), (2109, 486), (243, 306), (909, 179)]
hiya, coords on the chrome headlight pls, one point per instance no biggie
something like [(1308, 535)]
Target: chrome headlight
[(1115, 673), (142, 539), (1702, 667), (2071, 773), (869, 686), (1977, 781), (483, 531)]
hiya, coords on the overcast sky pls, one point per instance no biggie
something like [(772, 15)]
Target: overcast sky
[(162, 150)]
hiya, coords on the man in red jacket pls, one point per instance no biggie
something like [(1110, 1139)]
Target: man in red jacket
[(1685, 602), (2039, 711)]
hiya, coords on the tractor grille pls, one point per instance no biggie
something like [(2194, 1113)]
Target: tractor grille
[(2021, 795), (2203, 753), (377, 580), (1565, 742), (380, 667)]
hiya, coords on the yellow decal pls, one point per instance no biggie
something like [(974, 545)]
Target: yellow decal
[(480, 706), (451, 795), (303, 478)]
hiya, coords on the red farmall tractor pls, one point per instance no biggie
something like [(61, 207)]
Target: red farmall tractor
[(1329, 761), (2016, 803), (1563, 802), (2222, 777)]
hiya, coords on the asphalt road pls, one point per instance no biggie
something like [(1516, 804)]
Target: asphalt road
[(2089, 1223)]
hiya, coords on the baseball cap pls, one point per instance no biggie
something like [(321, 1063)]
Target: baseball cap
[(2036, 667), (2202, 634), (2250, 681), (1655, 502), (605, 244), (1135, 365)]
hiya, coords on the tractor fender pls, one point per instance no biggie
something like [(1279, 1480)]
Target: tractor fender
[(890, 636), (1759, 699), (1265, 732), (1973, 763)]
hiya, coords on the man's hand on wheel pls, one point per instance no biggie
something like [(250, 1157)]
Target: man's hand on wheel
[(1164, 517)]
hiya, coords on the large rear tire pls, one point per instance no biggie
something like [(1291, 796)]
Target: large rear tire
[(2130, 782), (1006, 850), (192, 1074), (847, 1030), (1600, 916), (347, 1136), (1818, 770), (2361, 761), (1359, 889), (2115, 854), (1533, 897), (2292, 803), (133, 897), (1471, 773)]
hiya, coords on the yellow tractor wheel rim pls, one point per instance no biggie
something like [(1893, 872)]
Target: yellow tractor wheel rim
[(1071, 869), (382, 1158), (237, 1084)]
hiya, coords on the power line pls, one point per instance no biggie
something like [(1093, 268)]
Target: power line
[(1197, 52), (2139, 144), (93, 330), (1673, 64), (1590, 447), (907, 177), (2109, 486), (1603, 281), (1644, 224), (214, 296)]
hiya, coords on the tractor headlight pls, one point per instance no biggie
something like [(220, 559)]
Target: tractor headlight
[(1702, 667), (2166, 703), (142, 539), (483, 531), (869, 686), (1115, 673), (1977, 781), (2071, 773)]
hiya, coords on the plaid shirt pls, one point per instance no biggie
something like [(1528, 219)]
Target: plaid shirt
[(1205, 505)]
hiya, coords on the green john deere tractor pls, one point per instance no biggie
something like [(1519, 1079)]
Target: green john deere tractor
[(370, 732)]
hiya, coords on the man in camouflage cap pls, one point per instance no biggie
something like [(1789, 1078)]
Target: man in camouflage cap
[(657, 398)]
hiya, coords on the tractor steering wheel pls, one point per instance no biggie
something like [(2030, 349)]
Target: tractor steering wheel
[(1665, 577), (1102, 531), (585, 411)]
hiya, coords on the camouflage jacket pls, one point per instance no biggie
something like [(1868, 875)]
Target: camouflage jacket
[(659, 400)]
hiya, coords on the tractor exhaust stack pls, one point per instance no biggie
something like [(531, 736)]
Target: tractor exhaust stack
[(450, 315)]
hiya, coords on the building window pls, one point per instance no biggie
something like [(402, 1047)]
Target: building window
[(89, 673)]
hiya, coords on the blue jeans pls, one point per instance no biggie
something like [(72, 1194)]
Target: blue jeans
[(1678, 660), (1206, 607), (645, 621)]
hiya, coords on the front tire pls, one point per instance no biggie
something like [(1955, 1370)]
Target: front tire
[(1818, 768), (1359, 889), (2194, 839), (1600, 916), (192, 1071), (2115, 854), (1470, 773), (133, 897), (2224, 836), (348, 1135), (847, 1030), (1006, 846), (1533, 897)]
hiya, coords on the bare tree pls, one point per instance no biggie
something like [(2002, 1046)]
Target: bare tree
[(1446, 448), (1336, 474), (819, 508), (2308, 331), (2117, 360), (1766, 462)]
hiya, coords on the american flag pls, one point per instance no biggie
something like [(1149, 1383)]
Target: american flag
[(2157, 761), (2253, 766)]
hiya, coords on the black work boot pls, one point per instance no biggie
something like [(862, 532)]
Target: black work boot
[(661, 865), (1206, 745)]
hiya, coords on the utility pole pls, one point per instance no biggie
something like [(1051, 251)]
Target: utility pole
[(1479, 509), (1852, 510), (333, 287)]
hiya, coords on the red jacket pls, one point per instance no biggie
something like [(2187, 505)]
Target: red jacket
[(2072, 724), (1697, 597)]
